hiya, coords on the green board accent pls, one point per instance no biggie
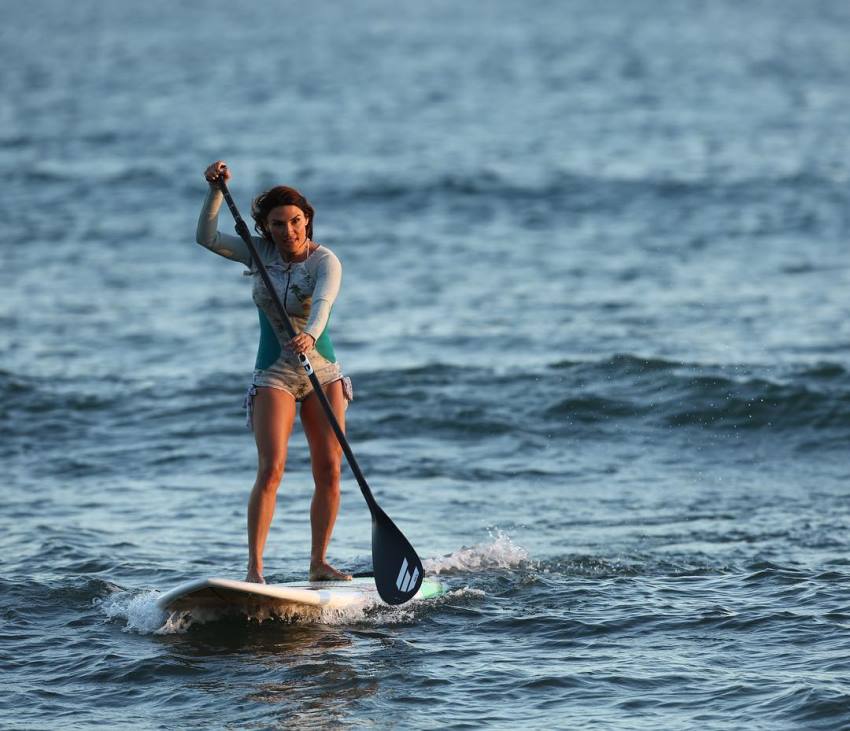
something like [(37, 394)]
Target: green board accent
[(431, 589)]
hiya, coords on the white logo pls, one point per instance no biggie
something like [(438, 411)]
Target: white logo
[(405, 580)]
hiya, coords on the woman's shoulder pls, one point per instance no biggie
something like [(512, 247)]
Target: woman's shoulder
[(266, 249), (323, 255)]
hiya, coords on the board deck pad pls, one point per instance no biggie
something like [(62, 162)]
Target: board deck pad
[(224, 594)]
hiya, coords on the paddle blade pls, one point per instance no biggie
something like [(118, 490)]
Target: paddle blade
[(398, 570)]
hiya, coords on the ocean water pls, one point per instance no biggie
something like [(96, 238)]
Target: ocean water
[(595, 308)]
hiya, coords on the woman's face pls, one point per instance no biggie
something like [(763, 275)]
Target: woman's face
[(287, 226)]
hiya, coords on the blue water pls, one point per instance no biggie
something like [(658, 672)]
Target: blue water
[(594, 308)]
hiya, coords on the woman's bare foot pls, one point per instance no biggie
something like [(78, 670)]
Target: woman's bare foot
[(255, 577), (323, 571)]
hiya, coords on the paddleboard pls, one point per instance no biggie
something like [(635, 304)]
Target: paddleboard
[(229, 594)]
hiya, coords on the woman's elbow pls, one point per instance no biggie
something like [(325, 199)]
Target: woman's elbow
[(204, 239)]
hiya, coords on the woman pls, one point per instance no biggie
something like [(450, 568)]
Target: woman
[(306, 277)]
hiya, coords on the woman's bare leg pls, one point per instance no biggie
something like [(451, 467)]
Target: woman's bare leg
[(326, 460), (274, 415)]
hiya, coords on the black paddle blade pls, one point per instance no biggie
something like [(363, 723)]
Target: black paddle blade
[(398, 570)]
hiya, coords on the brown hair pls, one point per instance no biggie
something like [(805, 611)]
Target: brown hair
[(281, 195)]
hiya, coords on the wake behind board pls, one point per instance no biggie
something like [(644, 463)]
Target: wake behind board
[(232, 595)]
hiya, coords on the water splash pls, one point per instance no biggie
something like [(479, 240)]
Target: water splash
[(139, 610), (499, 553)]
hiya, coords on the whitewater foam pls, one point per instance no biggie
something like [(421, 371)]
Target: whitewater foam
[(139, 610), (499, 553)]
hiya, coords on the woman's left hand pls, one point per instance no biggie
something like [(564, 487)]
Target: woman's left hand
[(302, 343)]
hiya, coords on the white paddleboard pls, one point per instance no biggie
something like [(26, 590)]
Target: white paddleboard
[(229, 594)]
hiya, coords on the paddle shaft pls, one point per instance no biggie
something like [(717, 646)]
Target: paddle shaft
[(245, 234)]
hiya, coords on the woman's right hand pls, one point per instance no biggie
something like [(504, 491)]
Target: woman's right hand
[(218, 170)]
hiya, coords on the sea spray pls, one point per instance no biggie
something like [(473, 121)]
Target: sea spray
[(139, 610), (499, 553)]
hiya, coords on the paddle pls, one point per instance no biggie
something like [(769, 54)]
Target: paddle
[(398, 570)]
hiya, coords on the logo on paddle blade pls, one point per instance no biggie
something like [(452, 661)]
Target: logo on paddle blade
[(406, 579)]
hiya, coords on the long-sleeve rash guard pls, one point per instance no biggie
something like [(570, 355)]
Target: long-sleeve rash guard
[(307, 289)]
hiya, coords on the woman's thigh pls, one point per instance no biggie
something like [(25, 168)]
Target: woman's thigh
[(273, 417), (325, 450)]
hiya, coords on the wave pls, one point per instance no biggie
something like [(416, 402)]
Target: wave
[(25, 399), (95, 425), (678, 394), (75, 175), (575, 189), (621, 389), (95, 421)]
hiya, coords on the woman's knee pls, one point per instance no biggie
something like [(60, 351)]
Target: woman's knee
[(327, 470), (270, 472)]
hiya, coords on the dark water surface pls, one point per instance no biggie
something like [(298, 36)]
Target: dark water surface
[(595, 308)]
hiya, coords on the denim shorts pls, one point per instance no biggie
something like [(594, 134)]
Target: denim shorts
[(287, 374)]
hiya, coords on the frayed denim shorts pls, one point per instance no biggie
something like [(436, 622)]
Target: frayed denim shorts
[(287, 374)]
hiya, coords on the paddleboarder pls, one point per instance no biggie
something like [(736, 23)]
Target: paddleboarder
[(306, 277)]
